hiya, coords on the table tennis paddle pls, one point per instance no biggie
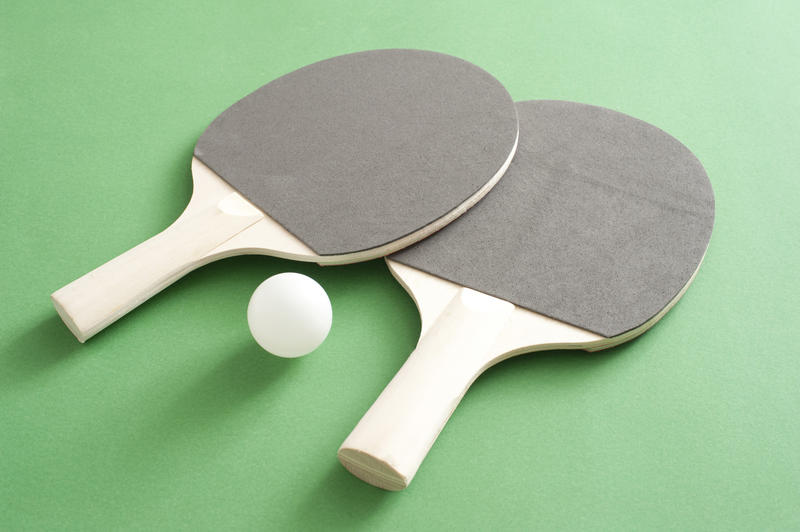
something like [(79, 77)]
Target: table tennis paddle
[(344, 160), (595, 232)]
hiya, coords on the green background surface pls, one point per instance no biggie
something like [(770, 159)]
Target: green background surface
[(173, 418)]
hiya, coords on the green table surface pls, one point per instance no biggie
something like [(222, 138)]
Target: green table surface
[(173, 418)]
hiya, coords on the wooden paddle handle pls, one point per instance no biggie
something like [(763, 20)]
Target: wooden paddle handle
[(94, 301), (389, 443)]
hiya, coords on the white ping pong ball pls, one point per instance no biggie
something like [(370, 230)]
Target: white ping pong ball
[(289, 315)]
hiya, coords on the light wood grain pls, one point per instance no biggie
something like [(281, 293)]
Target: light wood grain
[(463, 332), (215, 214), (218, 223)]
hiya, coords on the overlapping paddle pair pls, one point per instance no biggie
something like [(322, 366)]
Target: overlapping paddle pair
[(595, 225)]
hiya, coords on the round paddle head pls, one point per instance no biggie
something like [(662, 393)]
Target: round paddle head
[(362, 150), (600, 221), (598, 227)]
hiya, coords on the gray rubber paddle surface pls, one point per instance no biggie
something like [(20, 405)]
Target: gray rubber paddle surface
[(599, 222), (360, 150)]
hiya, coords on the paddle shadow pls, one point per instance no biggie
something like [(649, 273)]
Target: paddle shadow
[(343, 501), (570, 367), (37, 350)]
